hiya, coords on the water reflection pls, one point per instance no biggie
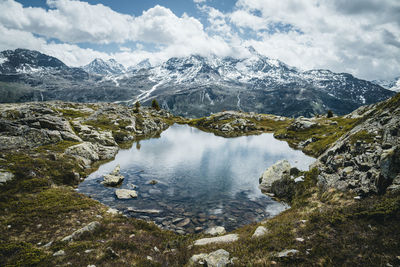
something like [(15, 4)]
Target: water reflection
[(210, 179)]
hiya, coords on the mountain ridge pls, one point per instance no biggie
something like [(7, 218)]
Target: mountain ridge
[(194, 86)]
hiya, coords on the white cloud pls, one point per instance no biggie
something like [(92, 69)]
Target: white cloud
[(361, 36)]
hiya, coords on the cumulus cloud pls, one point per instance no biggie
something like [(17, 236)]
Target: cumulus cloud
[(359, 36)]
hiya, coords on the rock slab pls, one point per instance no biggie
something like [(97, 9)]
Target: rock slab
[(217, 240)]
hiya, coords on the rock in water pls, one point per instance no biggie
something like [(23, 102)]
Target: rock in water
[(125, 193), (274, 173), (114, 178)]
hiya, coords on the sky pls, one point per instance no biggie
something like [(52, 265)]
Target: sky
[(361, 37)]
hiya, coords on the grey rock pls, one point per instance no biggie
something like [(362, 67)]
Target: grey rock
[(85, 150), (78, 233), (125, 194), (59, 253), (260, 231), (114, 178), (287, 253), (274, 173), (217, 240), (216, 230), (218, 258), (5, 177)]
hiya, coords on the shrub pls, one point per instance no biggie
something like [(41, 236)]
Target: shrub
[(329, 114), (155, 105), (137, 106)]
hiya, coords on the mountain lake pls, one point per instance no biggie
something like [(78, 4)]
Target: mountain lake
[(203, 180)]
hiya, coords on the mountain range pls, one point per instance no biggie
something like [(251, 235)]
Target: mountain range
[(393, 85), (192, 86)]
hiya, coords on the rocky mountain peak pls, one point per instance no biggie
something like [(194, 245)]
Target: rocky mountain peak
[(27, 61), (102, 67)]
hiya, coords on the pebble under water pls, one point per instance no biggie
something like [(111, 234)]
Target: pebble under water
[(202, 180)]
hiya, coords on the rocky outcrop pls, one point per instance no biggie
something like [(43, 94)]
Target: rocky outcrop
[(274, 173), (234, 123), (367, 159), (83, 133), (302, 123)]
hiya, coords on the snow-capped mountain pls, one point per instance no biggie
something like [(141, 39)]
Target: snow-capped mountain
[(256, 83), (193, 85), (27, 61), (393, 85), (101, 67), (144, 64)]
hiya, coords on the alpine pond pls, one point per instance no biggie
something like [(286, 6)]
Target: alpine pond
[(189, 180)]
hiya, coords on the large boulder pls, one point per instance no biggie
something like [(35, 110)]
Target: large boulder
[(274, 173)]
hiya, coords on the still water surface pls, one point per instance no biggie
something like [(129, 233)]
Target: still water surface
[(209, 179)]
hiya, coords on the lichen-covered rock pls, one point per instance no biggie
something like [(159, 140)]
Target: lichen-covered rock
[(274, 173)]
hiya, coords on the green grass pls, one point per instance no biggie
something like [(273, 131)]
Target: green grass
[(324, 134), (73, 114), (57, 147)]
